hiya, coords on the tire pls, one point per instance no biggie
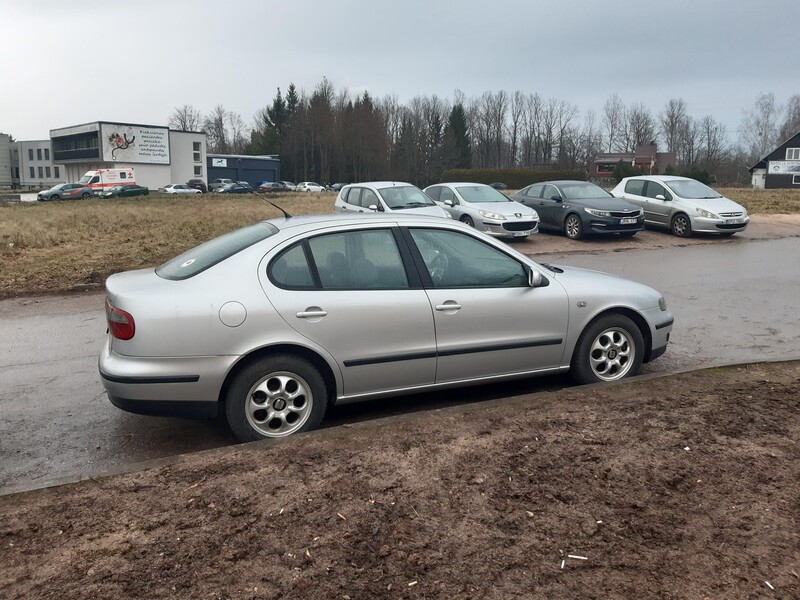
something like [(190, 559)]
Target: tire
[(468, 220), (54, 197), (289, 386), (573, 228), (681, 226), (85, 195), (609, 349)]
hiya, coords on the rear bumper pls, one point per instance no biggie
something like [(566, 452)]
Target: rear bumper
[(186, 386)]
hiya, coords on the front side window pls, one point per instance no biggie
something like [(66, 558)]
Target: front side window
[(369, 198), (550, 191), (655, 189), (457, 260), (291, 269), (635, 187), (447, 194), (434, 191)]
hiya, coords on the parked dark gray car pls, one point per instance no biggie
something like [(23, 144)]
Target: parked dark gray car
[(579, 208)]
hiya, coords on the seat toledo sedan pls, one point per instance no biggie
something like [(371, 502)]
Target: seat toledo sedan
[(480, 205), (274, 323)]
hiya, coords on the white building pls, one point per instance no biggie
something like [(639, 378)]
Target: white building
[(158, 155), (33, 166)]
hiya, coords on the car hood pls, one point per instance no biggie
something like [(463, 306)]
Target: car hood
[(715, 205), (596, 287), (508, 209), (603, 203)]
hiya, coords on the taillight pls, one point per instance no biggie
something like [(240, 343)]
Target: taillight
[(120, 323)]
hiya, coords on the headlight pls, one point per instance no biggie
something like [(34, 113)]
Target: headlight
[(597, 213), (486, 214), (662, 303), (641, 212), (534, 215), (448, 215), (707, 214)]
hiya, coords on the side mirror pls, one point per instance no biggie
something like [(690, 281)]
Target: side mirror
[(535, 278), (660, 197), (448, 203), (555, 197), (375, 208)]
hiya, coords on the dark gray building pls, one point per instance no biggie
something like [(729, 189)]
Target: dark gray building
[(780, 168), (240, 167)]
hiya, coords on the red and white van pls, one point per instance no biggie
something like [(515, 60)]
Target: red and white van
[(102, 179)]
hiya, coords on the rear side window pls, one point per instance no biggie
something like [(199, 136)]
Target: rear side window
[(353, 196), (206, 255), (635, 187)]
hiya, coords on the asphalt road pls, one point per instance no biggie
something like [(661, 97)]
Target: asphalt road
[(734, 302)]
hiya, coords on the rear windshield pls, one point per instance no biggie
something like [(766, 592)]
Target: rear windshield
[(206, 255)]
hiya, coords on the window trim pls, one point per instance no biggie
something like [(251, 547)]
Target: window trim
[(795, 153)]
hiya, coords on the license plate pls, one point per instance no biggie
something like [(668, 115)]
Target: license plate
[(733, 221), (521, 233), (630, 221)]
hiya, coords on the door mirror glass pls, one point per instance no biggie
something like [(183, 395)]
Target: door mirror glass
[(660, 197), (555, 197), (448, 203)]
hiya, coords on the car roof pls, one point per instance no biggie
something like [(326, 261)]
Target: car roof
[(661, 178), (564, 181), (312, 221), (454, 183)]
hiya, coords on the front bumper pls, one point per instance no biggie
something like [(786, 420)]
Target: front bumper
[(722, 225), (660, 323), (611, 225), (509, 229)]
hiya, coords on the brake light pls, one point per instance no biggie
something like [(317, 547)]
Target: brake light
[(120, 323)]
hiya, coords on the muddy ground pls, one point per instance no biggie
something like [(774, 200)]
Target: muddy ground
[(685, 486)]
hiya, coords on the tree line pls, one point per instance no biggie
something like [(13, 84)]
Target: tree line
[(331, 135)]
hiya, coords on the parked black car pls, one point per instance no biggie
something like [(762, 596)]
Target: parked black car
[(197, 184), (579, 208), (498, 185), (235, 188)]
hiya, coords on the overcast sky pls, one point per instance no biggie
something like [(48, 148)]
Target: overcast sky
[(67, 62)]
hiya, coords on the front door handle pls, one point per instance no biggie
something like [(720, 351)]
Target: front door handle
[(449, 305)]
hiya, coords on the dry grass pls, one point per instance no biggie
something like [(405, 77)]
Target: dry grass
[(58, 246)]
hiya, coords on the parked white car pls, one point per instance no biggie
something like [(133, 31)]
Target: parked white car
[(684, 205), (483, 207), (386, 196), (309, 186), (178, 188)]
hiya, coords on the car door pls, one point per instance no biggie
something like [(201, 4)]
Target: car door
[(352, 200), (455, 208), (634, 192), (352, 293), (532, 197), (550, 210), (659, 202), (489, 321)]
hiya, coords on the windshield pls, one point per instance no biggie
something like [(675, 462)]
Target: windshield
[(117, 188), (481, 193), (210, 253), (405, 196), (578, 191), (85, 179), (690, 188)]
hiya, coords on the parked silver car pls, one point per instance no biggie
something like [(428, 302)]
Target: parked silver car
[(275, 322), (481, 206), (386, 196), (684, 205)]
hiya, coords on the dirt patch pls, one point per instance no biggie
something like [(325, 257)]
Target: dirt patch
[(678, 487)]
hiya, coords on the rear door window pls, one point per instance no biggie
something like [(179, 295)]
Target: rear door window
[(635, 187)]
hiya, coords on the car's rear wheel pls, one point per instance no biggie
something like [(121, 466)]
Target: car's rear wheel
[(468, 220), (85, 195), (275, 397), (610, 348), (681, 226), (573, 228)]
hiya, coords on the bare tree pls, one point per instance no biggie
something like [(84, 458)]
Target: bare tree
[(791, 121), (672, 120), (186, 118), (713, 143), (515, 126), (613, 121), (216, 130), (639, 127), (238, 135), (759, 129)]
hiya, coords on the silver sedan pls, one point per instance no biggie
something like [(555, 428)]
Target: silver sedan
[(273, 323), (481, 206)]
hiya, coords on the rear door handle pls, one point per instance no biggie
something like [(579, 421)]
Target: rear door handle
[(312, 313), (449, 305)]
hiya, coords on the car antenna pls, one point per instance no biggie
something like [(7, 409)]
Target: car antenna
[(285, 214)]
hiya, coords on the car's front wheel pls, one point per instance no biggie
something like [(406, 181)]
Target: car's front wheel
[(55, 197), (85, 195), (681, 225), (610, 348), (573, 228), (275, 397), (468, 220)]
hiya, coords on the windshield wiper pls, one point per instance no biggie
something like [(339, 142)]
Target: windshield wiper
[(552, 268)]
